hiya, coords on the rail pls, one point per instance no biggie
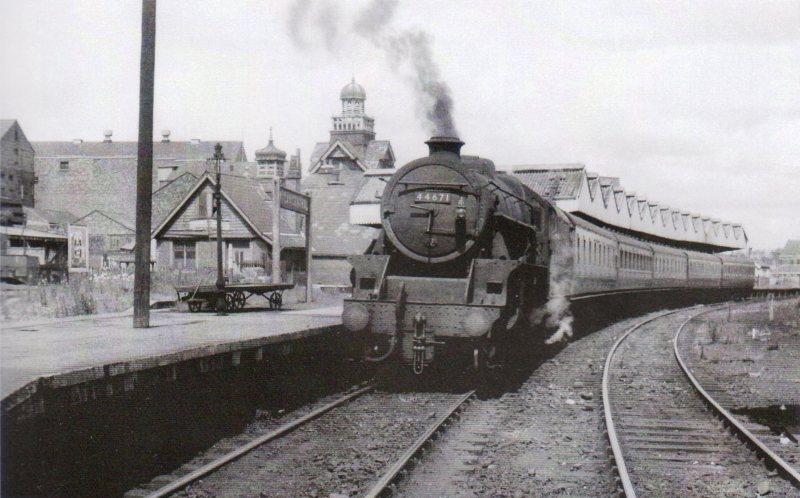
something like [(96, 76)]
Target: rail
[(616, 447), (184, 481), (407, 458), (735, 425)]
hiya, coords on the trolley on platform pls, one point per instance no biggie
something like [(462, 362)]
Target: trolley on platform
[(236, 295)]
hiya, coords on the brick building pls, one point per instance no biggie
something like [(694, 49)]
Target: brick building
[(336, 174), (96, 181)]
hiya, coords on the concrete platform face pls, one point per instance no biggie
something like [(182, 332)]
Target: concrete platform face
[(93, 347)]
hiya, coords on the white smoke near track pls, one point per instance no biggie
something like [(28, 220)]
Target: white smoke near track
[(408, 52), (556, 313)]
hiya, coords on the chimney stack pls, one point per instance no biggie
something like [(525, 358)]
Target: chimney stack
[(165, 136), (445, 146), (107, 136)]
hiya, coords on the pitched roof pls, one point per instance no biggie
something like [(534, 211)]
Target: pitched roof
[(332, 233), (244, 195), (177, 151), (54, 216), (319, 149), (377, 150), (343, 146), (169, 195), (5, 125), (372, 185), (792, 248), (97, 212)]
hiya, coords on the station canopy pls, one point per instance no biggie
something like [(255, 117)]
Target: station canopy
[(602, 199)]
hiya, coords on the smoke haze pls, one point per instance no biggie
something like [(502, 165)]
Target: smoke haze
[(407, 51)]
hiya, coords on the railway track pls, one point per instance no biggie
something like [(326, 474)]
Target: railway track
[(668, 436), (181, 481), (385, 484), (378, 476)]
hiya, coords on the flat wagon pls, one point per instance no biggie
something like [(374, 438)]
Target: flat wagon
[(236, 295)]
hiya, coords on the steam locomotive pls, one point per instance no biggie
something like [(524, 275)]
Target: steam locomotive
[(471, 264)]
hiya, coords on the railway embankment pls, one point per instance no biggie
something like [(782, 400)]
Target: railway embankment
[(92, 407)]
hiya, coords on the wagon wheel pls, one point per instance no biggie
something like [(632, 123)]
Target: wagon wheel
[(230, 302), (278, 299), (239, 299), (194, 306), (272, 302)]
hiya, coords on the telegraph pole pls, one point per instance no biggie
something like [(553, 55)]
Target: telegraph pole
[(218, 158), (276, 228), (144, 168)]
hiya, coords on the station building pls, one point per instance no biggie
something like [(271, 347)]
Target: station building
[(337, 170), (185, 228), (96, 183)]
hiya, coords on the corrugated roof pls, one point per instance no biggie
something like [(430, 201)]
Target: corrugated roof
[(560, 182)]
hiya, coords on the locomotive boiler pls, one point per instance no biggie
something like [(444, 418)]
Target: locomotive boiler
[(460, 257), (470, 262)]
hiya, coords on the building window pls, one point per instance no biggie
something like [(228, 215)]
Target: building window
[(241, 252), (63, 165), (202, 205), (184, 254)]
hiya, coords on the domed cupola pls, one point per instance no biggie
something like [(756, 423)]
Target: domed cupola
[(270, 160), (353, 91), (270, 153)]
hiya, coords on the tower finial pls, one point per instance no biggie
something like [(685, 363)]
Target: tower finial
[(270, 134)]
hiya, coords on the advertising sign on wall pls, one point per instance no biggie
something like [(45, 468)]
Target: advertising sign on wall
[(78, 247)]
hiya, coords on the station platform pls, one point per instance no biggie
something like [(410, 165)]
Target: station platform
[(62, 352)]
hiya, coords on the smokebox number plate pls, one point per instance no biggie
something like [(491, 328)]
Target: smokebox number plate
[(432, 197)]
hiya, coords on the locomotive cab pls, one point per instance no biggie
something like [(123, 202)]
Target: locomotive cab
[(460, 253)]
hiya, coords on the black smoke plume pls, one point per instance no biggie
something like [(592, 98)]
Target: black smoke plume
[(407, 51)]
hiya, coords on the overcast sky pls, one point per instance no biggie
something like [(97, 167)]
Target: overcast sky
[(695, 105)]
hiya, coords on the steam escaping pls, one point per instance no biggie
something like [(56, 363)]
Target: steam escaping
[(556, 313), (407, 51)]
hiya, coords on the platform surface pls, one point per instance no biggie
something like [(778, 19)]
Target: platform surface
[(52, 347)]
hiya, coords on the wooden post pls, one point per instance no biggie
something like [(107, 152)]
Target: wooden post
[(276, 229), (144, 168), (309, 294)]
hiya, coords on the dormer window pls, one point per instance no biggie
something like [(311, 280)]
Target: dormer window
[(63, 165)]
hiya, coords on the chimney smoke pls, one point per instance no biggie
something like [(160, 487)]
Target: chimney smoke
[(408, 51)]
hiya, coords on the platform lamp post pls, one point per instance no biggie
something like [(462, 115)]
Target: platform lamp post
[(218, 158)]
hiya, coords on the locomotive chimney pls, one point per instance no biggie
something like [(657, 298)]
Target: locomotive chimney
[(445, 146)]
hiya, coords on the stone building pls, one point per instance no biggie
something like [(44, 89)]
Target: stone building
[(17, 176), (336, 173)]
